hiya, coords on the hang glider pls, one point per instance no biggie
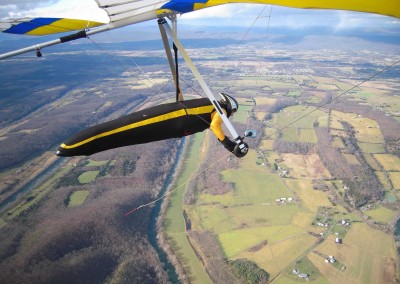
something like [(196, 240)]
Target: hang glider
[(45, 26), (127, 12)]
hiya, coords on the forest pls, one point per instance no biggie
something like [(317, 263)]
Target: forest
[(55, 243)]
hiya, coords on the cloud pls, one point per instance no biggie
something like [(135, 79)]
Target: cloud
[(11, 7), (246, 14), (243, 15), (76, 9)]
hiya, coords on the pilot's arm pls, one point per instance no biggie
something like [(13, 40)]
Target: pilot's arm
[(216, 128)]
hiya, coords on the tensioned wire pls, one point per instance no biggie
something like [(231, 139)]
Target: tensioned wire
[(286, 126), (192, 177), (225, 156), (162, 93), (387, 68)]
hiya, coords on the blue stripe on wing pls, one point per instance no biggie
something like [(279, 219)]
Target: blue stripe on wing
[(26, 27)]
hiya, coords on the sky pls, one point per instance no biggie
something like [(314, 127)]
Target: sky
[(224, 15)]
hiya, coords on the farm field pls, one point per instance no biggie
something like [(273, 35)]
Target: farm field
[(77, 198), (283, 208), (366, 254), (277, 220)]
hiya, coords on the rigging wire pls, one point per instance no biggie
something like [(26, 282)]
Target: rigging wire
[(218, 160), (225, 156), (158, 91), (178, 186)]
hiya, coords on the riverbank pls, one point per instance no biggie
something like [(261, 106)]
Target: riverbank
[(173, 237), (153, 234)]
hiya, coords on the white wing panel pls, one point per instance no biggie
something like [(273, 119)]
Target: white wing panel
[(122, 9)]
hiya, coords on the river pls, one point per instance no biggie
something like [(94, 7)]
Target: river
[(173, 276), (50, 170), (397, 235), (152, 233)]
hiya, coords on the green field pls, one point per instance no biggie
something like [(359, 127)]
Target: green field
[(88, 177), (78, 197), (242, 115), (93, 163), (174, 223), (381, 214), (365, 252), (372, 147), (253, 222), (221, 219), (395, 179), (296, 113), (237, 241), (36, 194), (388, 162)]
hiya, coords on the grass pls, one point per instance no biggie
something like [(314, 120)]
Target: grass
[(222, 219), (381, 214), (388, 162), (249, 215), (372, 147), (290, 114), (304, 265), (255, 187), (351, 159), (242, 115), (366, 129), (38, 193), (174, 223), (78, 198), (372, 162), (93, 163), (310, 198), (236, 241), (276, 257), (364, 252), (303, 218), (395, 179), (88, 177), (307, 135), (383, 179), (264, 101)]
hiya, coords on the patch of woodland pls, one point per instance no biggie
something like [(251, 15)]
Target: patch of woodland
[(280, 104), (41, 132), (302, 148), (207, 248), (388, 125), (93, 242), (361, 181), (249, 271)]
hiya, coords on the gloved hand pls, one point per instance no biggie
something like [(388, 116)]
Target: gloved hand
[(228, 144), (241, 148)]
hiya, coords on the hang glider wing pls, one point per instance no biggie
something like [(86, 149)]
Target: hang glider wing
[(122, 12), (44, 26), (126, 12)]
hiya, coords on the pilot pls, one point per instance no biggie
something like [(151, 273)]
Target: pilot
[(165, 121)]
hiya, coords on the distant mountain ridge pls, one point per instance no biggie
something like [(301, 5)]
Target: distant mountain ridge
[(211, 36)]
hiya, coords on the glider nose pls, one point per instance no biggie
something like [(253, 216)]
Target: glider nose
[(62, 152)]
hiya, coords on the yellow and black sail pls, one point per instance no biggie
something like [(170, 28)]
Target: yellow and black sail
[(172, 120)]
